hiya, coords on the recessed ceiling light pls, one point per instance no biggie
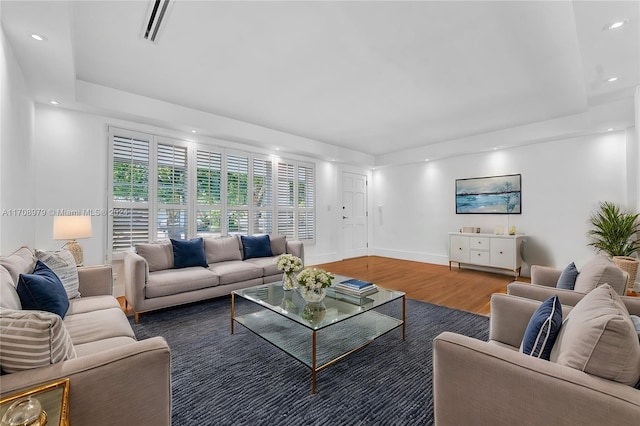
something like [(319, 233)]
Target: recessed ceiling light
[(277, 149), (610, 129), (495, 148), (38, 37), (54, 102), (615, 25), (612, 79), (426, 159), (193, 131)]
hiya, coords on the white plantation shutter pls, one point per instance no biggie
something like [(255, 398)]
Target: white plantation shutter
[(209, 178), (172, 191), (129, 189), (208, 193), (262, 196), (306, 201), (237, 180), (237, 194), (130, 227), (286, 224), (295, 200), (286, 183), (160, 188), (172, 175)]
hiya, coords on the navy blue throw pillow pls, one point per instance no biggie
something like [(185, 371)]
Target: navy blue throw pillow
[(543, 329), (256, 246), (568, 277), (42, 291), (188, 253)]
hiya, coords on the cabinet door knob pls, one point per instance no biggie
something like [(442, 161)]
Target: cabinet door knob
[(500, 252)]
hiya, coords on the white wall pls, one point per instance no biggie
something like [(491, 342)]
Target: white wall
[(70, 168), (562, 183), (16, 147)]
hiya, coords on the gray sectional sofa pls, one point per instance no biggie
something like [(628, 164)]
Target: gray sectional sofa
[(113, 379), (152, 282)]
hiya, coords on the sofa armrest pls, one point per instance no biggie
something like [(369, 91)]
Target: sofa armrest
[(545, 275), (478, 382), (136, 275), (542, 293), (129, 384), (510, 316), (296, 248), (95, 280)]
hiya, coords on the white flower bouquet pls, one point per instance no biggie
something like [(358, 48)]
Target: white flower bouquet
[(289, 263), (314, 279)]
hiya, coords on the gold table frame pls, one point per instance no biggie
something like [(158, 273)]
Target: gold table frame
[(314, 367), (54, 398)]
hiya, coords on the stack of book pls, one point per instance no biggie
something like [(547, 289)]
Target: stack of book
[(356, 287)]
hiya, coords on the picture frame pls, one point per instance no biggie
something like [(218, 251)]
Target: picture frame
[(53, 397), (489, 195)]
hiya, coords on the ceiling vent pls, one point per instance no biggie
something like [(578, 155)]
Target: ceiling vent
[(158, 11)]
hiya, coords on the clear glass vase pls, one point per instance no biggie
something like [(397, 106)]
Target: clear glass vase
[(289, 281), (310, 295)]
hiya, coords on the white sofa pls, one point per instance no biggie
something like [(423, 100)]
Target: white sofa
[(152, 282), (114, 379)]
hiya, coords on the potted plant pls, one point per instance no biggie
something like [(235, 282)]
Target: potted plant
[(617, 233)]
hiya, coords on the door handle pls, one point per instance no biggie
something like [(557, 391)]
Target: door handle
[(344, 217)]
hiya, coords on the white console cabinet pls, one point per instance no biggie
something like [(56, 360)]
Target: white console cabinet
[(494, 251)]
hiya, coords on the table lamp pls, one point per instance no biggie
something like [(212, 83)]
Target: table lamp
[(72, 228)]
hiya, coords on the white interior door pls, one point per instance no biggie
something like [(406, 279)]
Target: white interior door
[(354, 215)]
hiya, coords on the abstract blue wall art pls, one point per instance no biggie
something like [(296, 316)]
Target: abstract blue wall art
[(489, 195)]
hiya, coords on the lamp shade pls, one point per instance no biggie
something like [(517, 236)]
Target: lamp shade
[(71, 227)]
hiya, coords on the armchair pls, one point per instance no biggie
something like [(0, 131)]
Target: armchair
[(477, 382), (595, 272)]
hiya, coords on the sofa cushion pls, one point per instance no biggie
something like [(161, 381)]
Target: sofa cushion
[(32, 339), (63, 264), (254, 246), (599, 338), (22, 261), (269, 265), (222, 249), (8, 295), (597, 271), (98, 325), (568, 277), (174, 281), (42, 291), (543, 329), (188, 253), (278, 244), (90, 304), (99, 346), (235, 271), (159, 256)]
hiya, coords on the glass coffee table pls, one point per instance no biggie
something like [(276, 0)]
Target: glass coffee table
[(317, 334)]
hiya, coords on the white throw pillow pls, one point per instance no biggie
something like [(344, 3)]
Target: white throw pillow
[(32, 339), (63, 264), (598, 337)]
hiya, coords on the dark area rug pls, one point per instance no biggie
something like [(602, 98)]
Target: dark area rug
[(240, 379)]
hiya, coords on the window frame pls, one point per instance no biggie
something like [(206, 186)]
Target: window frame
[(192, 207)]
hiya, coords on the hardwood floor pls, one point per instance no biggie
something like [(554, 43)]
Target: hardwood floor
[(464, 289)]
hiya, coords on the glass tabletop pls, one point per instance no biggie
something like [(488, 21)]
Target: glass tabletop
[(335, 307)]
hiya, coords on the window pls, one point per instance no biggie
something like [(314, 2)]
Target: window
[(209, 194), (164, 188), (237, 194), (262, 195), (172, 189), (130, 189)]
